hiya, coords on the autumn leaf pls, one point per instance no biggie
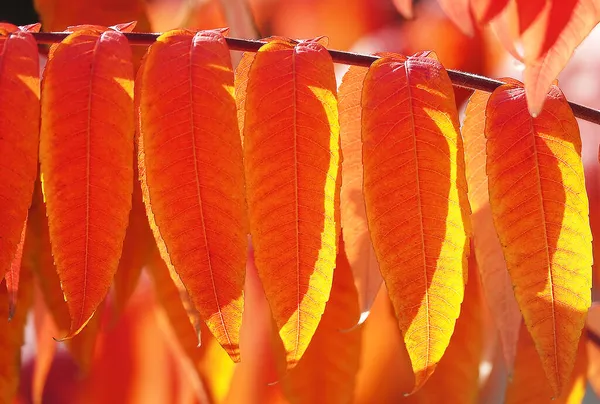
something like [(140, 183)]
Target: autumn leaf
[(331, 360), (86, 149), (241, 85), (43, 267), (137, 247), (540, 211), (191, 147), (549, 32), (459, 11), (385, 371), (355, 229), (550, 41), (415, 196), (466, 13), (175, 302), (527, 386), (291, 158), (253, 380), (487, 249), (19, 125)]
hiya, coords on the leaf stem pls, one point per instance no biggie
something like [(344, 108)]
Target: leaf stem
[(459, 79)]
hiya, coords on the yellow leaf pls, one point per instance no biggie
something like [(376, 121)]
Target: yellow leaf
[(456, 378), (416, 200), (331, 360), (540, 210), (291, 158)]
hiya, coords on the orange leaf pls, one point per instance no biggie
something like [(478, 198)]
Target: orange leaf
[(241, 79), (291, 156), (385, 371), (86, 152), (550, 41), (357, 241), (331, 360), (174, 299), (43, 265), (496, 282), (262, 350), (456, 378), (137, 247), (12, 335), (529, 386), (506, 28), (540, 210), (241, 85), (191, 159), (416, 200), (460, 13), (19, 125), (83, 345)]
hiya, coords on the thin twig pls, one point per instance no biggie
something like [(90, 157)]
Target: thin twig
[(459, 79)]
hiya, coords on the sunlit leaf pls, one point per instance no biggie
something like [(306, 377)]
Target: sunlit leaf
[(550, 41), (540, 211), (291, 158), (456, 378), (416, 200)]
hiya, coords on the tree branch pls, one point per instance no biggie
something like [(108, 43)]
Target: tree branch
[(459, 79)]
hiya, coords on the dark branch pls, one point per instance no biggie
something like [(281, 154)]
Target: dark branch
[(459, 79)]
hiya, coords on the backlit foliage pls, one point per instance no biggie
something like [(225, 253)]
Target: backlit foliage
[(267, 206)]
